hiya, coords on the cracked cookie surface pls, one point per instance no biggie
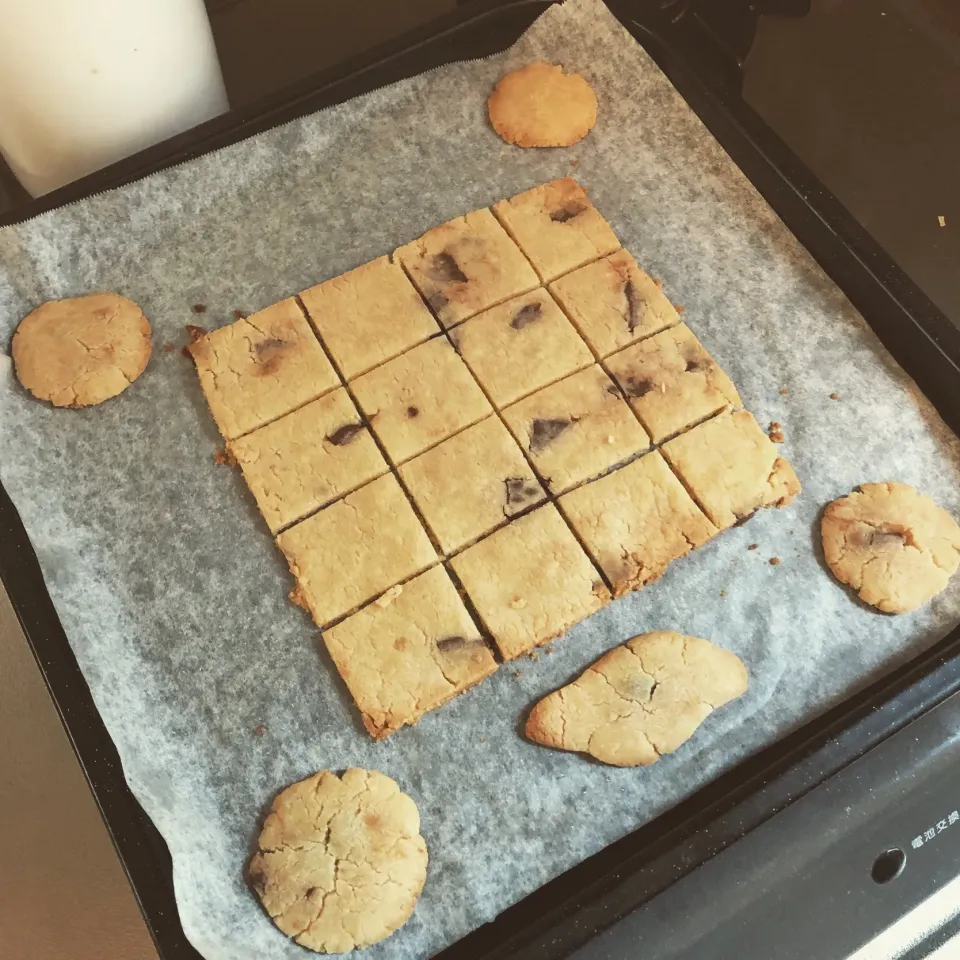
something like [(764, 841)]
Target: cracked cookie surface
[(639, 701), (541, 106), (892, 544), (340, 860), (81, 351)]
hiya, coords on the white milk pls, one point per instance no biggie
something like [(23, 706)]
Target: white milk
[(86, 82)]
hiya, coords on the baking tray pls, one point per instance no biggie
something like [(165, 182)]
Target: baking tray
[(575, 906)]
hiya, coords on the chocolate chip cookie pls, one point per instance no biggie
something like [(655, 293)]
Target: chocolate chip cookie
[(893, 545), (340, 860), (81, 351)]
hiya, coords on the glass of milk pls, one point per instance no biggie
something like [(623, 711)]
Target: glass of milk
[(86, 82)]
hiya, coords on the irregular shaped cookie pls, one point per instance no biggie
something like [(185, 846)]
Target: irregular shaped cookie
[(640, 700), (892, 544), (341, 861), (81, 351), (541, 106)]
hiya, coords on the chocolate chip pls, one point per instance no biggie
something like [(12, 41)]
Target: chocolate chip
[(449, 644), (240, 315), (526, 314), (519, 491), (343, 435), (882, 538), (310, 892), (199, 308), (444, 269), (694, 365), (269, 355), (545, 431), (568, 212), (634, 303), (258, 879), (635, 387), (437, 301), (413, 412)]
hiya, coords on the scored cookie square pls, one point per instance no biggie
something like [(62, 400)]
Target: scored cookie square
[(368, 315), (731, 467), (530, 581), (420, 398), (471, 483), (557, 227), (520, 346), (672, 382), (307, 458), (402, 656), (467, 265), (355, 549), (261, 367), (636, 521), (613, 303), (576, 428)]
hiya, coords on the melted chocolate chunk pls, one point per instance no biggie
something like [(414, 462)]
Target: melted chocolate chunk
[(437, 301), (519, 491), (449, 644), (638, 388), (694, 365), (634, 304), (568, 212), (527, 314), (343, 435), (546, 431), (258, 879), (444, 269), (413, 412), (881, 538), (269, 355)]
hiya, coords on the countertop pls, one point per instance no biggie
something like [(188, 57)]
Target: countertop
[(862, 90)]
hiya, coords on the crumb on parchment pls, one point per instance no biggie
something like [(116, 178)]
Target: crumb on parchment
[(774, 561)]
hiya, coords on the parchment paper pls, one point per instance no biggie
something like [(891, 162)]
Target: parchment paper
[(174, 597)]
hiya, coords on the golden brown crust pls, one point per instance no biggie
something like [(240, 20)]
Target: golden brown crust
[(541, 106), (340, 861), (893, 545), (81, 351), (639, 701)]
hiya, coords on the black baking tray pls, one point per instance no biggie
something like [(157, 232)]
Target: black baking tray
[(567, 912)]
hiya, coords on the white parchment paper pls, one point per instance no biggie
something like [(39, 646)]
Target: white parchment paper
[(174, 597)]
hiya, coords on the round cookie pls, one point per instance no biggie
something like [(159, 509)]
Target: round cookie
[(81, 351), (893, 545), (341, 861), (541, 106)]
